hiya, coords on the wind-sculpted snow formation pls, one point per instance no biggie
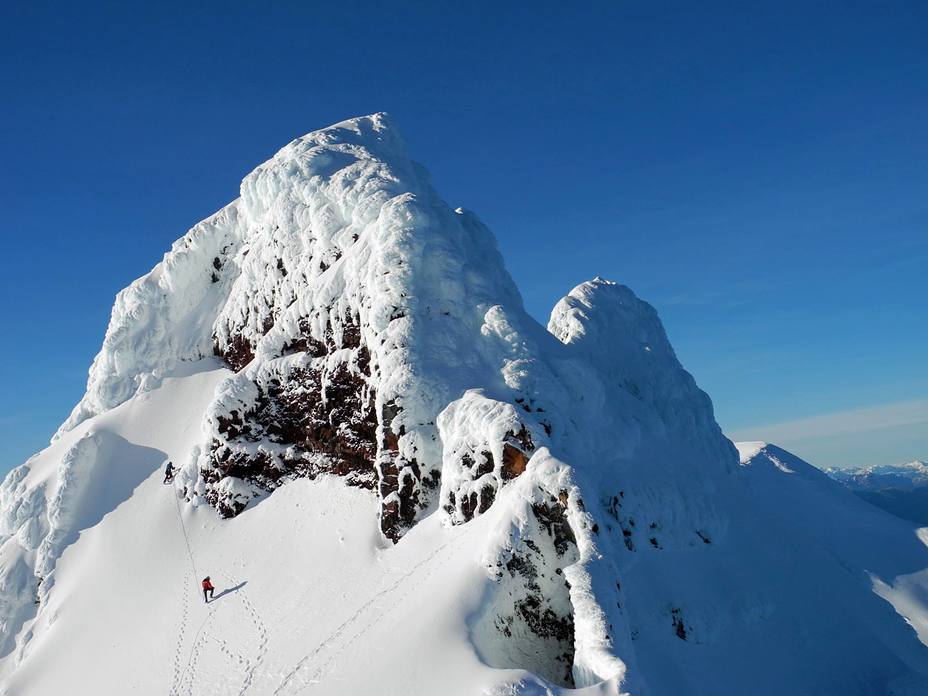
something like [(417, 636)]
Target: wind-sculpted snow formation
[(372, 336)]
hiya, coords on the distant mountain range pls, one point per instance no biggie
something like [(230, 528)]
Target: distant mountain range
[(901, 489)]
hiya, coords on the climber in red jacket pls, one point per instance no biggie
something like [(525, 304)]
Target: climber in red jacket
[(207, 587)]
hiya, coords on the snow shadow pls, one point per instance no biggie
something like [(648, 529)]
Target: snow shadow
[(107, 468), (230, 590), (95, 475)]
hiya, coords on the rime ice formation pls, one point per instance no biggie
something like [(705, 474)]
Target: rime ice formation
[(388, 463), (340, 288)]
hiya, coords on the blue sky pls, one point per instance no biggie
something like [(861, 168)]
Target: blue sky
[(757, 171)]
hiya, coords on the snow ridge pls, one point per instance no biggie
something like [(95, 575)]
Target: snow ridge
[(163, 318)]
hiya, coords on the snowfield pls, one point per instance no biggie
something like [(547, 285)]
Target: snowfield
[(400, 483), (307, 591)]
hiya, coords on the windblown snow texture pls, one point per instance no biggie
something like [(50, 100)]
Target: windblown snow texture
[(459, 499)]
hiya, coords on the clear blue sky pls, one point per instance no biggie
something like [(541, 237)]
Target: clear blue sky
[(758, 171)]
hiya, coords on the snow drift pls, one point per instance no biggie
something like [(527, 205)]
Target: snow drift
[(388, 463)]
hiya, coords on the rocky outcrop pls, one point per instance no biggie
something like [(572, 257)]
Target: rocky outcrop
[(486, 443), (353, 314), (372, 333), (528, 620), (309, 411), (312, 410)]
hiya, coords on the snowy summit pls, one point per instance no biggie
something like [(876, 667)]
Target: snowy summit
[(399, 483)]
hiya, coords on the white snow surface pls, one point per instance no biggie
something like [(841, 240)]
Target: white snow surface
[(629, 520)]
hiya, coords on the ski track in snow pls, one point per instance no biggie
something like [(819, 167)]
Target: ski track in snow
[(361, 613)]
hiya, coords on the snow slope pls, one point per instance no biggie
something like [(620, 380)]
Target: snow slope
[(401, 483), (880, 551), (306, 587)]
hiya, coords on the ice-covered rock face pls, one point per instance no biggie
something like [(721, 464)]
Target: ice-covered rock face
[(373, 333), (350, 301), (621, 338)]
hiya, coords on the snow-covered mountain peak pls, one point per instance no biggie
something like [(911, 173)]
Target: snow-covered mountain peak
[(338, 271), (373, 137), (412, 471), (748, 450), (764, 454)]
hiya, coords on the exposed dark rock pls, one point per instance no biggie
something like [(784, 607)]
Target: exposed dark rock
[(614, 508), (431, 480), (678, 626), (514, 462), (304, 342), (553, 518), (399, 479), (532, 607), (517, 449), (474, 504), (238, 353), (521, 565), (543, 621), (488, 465), (321, 416), (487, 496)]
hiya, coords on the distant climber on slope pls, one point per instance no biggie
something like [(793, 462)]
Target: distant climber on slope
[(169, 472), (207, 587)]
